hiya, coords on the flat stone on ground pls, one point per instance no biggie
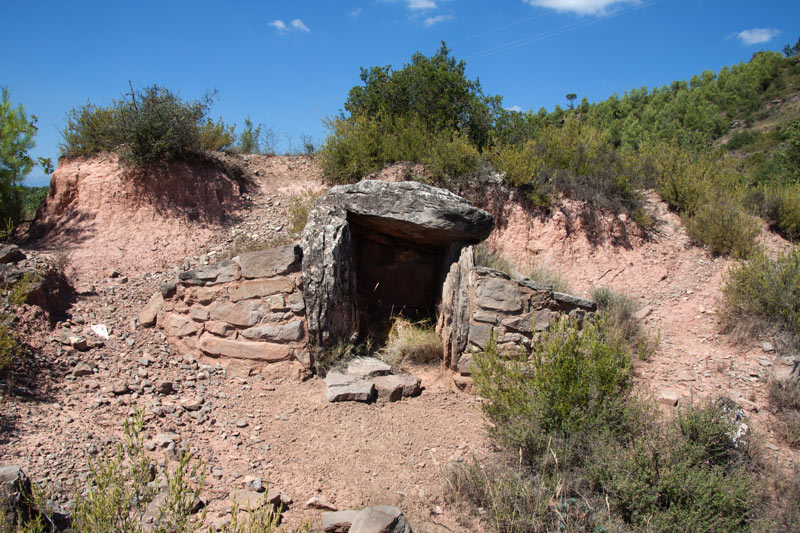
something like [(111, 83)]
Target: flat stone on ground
[(380, 519), (338, 521), (368, 367)]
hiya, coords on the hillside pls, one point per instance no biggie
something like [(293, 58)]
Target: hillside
[(292, 436)]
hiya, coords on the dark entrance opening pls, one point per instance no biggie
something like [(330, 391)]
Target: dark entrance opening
[(395, 275)]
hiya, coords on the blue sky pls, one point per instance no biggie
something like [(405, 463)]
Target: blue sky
[(289, 64)]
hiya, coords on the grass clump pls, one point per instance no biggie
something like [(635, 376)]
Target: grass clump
[(300, 205), (550, 277), (583, 453), (785, 399), (763, 294), (620, 311), (483, 256), (415, 342)]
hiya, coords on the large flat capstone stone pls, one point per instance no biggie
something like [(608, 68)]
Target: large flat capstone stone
[(413, 211)]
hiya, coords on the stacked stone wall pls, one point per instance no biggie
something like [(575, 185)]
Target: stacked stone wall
[(250, 308)]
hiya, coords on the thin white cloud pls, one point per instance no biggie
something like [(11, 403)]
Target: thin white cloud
[(421, 5), (298, 25), (430, 21), (757, 35), (581, 7), (278, 25), (356, 12), (516, 108)]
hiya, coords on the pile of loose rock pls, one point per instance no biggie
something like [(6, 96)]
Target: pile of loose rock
[(366, 379)]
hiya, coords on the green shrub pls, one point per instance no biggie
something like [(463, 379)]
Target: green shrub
[(16, 139), (574, 381), (415, 342), (764, 293), (249, 138), (740, 139), (146, 126), (721, 225), (216, 136)]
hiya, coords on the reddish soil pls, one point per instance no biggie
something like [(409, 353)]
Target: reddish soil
[(349, 454)]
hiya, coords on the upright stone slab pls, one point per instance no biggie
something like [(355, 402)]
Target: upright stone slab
[(454, 317)]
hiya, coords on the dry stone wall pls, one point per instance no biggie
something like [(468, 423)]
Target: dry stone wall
[(479, 303), (250, 308)]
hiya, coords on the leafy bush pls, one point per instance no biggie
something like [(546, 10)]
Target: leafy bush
[(574, 381), (146, 126), (216, 136), (16, 138), (721, 225), (415, 342), (764, 292)]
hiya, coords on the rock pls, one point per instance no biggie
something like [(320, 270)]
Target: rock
[(165, 387), (354, 391), (198, 313), (258, 288), (149, 313), (669, 397), (10, 253), (15, 493), (260, 351), (464, 366), (785, 369), (292, 331), (192, 404), (176, 325), (395, 387), (223, 272), (163, 440), (168, 289), (498, 294), (767, 347), (575, 301), (368, 367), (83, 369), (463, 383), (119, 388), (271, 262), (380, 519), (238, 369), (318, 502), (479, 334), (239, 314), (338, 521), (453, 322), (76, 341), (241, 423), (249, 499), (218, 328)]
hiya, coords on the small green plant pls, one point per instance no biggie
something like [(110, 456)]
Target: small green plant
[(415, 342), (123, 484)]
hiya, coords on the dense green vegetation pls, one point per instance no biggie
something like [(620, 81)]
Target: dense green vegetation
[(585, 454), (719, 148)]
